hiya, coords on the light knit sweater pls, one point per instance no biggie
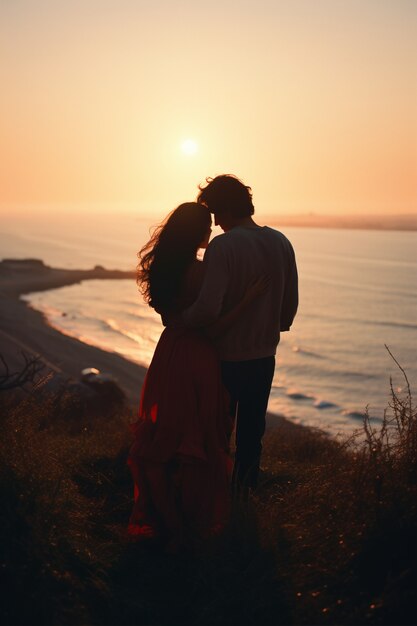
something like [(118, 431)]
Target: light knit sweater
[(232, 261)]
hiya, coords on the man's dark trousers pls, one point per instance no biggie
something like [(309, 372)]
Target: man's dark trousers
[(249, 385)]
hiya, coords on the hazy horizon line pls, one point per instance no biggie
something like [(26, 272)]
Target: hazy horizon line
[(154, 210)]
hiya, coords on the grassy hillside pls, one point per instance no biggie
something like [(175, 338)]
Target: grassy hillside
[(329, 537)]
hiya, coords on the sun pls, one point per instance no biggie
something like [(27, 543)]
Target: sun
[(189, 147)]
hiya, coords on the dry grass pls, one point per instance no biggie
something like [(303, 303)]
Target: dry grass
[(329, 538), (346, 519)]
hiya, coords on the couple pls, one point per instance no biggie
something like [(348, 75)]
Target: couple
[(214, 363)]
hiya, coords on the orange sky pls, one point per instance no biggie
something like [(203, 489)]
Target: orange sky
[(312, 103)]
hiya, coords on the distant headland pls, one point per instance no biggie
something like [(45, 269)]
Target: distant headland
[(356, 222), (19, 276)]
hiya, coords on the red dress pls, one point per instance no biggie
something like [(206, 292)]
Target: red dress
[(179, 458)]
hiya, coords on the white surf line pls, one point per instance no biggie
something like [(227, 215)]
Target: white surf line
[(26, 348)]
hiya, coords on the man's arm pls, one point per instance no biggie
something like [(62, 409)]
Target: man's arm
[(290, 300), (207, 308)]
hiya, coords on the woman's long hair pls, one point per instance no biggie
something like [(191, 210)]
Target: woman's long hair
[(173, 246)]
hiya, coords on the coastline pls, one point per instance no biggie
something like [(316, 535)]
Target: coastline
[(399, 223), (24, 329)]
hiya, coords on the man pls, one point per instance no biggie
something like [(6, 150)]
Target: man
[(233, 260)]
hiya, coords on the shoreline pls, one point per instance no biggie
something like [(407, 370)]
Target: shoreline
[(25, 329)]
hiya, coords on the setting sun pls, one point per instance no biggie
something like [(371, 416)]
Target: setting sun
[(189, 147)]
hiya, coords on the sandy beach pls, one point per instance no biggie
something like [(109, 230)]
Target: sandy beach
[(23, 329)]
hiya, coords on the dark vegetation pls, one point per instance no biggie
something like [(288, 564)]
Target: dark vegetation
[(329, 538)]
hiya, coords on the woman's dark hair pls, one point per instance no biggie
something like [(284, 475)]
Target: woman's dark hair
[(227, 193), (164, 260)]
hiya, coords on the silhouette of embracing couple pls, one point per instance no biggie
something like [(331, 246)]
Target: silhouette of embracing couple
[(213, 366)]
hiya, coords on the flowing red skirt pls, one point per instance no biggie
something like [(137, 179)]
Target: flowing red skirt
[(179, 458)]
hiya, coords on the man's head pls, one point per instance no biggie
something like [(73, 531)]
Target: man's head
[(228, 198)]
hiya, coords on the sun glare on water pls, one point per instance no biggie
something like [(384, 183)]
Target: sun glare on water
[(189, 147)]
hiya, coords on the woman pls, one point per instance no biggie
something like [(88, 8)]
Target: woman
[(179, 459)]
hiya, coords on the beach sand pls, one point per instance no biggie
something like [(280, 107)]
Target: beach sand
[(22, 329)]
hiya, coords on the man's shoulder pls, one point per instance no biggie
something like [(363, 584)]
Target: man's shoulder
[(217, 242), (225, 240), (277, 235), (236, 237), (274, 232), (228, 241)]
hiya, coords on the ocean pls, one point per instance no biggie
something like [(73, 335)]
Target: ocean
[(358, 293)]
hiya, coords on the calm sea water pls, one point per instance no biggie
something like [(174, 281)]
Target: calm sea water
[(358, 291)]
